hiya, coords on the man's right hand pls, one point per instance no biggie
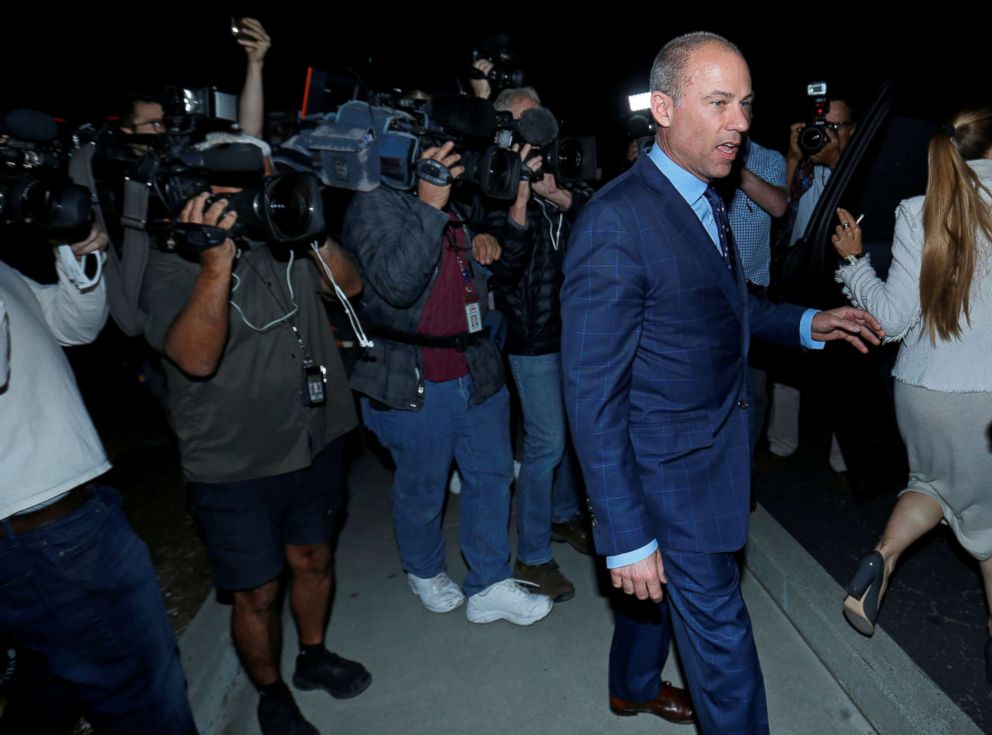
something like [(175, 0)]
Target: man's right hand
[(432, 194), (518, 210), (255, 40), (481, 87), (642, 578), (216, 215)]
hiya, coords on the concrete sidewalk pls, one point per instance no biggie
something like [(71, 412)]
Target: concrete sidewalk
[(442, 674)]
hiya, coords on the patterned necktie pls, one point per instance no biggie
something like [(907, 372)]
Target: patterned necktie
[(722, 226)]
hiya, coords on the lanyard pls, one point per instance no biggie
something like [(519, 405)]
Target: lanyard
[(451, 243)]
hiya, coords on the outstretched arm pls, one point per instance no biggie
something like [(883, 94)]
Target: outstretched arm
[(251, 105)]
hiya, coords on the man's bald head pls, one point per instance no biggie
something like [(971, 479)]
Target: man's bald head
[(669, 71)]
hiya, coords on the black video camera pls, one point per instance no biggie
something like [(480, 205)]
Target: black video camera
[(364, 144), (282, 208), (506, 72), (35, 190)]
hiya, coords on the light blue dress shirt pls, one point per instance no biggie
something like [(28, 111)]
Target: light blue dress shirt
[(691, 189)]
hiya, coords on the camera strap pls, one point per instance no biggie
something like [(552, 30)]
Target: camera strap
[(126, 263), (201, 237), (433, 172)]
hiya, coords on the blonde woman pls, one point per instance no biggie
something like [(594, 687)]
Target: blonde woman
[(937, 299)]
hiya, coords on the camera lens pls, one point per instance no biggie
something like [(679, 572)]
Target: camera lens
[(570, 159), (290, 208), (812, 138)]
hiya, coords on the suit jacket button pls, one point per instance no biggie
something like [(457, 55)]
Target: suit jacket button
[(743, 404)]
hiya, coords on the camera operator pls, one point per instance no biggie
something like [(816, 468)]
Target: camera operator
[(433, 388), (539, 222), (77, 587), (259, 401)]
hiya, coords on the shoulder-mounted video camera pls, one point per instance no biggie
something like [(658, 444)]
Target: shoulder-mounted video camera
[(35, 190)]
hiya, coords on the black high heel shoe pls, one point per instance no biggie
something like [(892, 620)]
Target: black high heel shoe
[(861, 603)]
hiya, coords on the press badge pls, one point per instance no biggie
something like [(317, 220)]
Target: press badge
[(313, 384), (474, 317)]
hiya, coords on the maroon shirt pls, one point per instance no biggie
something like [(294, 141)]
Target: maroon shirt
[(444, 312)]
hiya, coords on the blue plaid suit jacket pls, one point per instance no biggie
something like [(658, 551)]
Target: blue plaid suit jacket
[(654, 356)]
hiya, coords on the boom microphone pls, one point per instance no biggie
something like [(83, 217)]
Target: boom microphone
[(538, 126)]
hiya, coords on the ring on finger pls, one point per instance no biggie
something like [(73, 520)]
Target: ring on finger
[(846, 225)]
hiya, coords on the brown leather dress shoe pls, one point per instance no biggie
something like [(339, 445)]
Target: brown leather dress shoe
[(671, 704)]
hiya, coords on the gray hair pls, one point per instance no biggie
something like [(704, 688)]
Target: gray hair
[(220, 138), (668, 73), (508, 97)]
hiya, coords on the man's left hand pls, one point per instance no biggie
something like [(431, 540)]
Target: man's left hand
[(96, 240), (847, 323), (486, 249)]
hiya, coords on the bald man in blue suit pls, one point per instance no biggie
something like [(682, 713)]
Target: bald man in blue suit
[(657, 322)]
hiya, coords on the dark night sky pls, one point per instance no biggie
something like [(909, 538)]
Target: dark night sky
[(73, 66)]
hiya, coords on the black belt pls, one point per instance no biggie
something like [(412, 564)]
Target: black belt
[(459, 342), (42, 517)]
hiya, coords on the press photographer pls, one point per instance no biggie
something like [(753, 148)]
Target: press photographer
[(259, 401)]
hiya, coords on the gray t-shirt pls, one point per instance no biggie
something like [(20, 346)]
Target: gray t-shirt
[(248, 419)]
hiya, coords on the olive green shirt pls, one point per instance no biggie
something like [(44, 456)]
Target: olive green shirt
[(249, 419)]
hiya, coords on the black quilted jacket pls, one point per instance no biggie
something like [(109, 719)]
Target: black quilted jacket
[(528, 294)]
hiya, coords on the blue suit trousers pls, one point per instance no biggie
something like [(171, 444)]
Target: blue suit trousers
[(705, 611)]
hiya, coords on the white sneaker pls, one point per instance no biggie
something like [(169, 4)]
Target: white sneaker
[(507, 600), (439, 594)]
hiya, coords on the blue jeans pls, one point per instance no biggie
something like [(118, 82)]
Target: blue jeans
[(423, 444), (81, 595), (543, 494)]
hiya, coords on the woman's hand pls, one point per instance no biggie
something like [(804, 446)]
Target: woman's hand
[(847, 238)]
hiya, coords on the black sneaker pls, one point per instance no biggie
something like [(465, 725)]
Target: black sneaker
[(574, 531), (337, 676), (279, 715)]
